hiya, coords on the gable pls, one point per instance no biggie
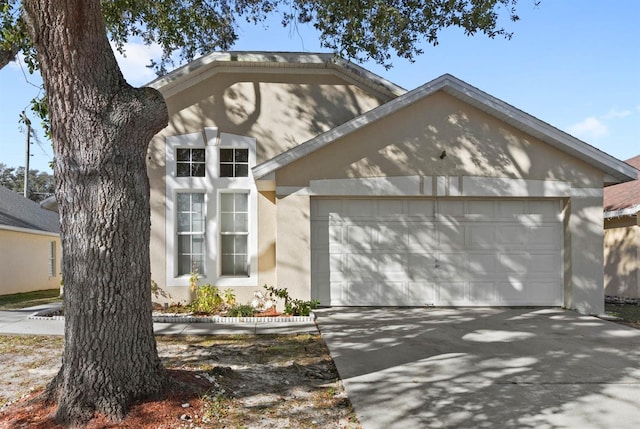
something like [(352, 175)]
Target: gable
[(280, 110), (439, 135), (611, 170)]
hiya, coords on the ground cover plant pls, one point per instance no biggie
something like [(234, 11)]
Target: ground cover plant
[(243, 381)]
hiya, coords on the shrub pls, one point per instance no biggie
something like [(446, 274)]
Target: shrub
[(242, 310), (292, 307)]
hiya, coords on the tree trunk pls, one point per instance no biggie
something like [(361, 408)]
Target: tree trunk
[(101, 128)]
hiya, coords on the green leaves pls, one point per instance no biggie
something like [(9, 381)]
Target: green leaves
[(376, 29)]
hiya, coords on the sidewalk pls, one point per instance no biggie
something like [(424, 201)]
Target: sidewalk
[(17, 322)]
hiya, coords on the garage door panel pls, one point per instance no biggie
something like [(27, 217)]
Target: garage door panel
[(511, 236), (482, 293), (513, 264), (451, 236), (422, 293), (479, 236), (390, 236), (452, 293), (482, 265), (545, 236), (422, 266), (422, 236), (442, 252)]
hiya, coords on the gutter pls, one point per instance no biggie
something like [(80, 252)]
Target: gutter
[(629, 211), (29, 231)]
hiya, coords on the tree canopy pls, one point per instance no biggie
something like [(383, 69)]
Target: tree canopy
[(101, 128), (357, 30)]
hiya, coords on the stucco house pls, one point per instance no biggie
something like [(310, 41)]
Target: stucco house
[(310, 173), (29, 245), (622, 237)]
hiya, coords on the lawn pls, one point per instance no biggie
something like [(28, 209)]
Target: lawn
[(627, 312), (29, 299)]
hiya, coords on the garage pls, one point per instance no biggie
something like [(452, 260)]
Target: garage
[(437, 251)]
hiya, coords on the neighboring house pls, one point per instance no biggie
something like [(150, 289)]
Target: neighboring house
[(29, 245), (309, 173), (622, 237)]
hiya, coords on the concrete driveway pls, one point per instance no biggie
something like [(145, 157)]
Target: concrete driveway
[(485, 368)]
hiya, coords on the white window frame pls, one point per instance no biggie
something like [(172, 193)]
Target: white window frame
[(212, 184), (203, 233), (190, 162)]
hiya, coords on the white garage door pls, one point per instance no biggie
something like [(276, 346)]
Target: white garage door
[(386, 252)]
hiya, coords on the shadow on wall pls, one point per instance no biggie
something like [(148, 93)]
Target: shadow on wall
[(622, 261), (280, 111)]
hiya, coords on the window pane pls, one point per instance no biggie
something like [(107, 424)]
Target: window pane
[(226, 202), (241, 222), (241, 200), (197, 223), (197, 245), (184, 169), (226, 222), (184, 244), (241, 170), (198, 201), (240, 266), (197, 262), (226, 170), (183, 154), (184, 201), (227, 265), (242, 155), (197, 155), (197, 170), (184, 222), (240, 242), (227, 244), (226, 155), (184, 265)]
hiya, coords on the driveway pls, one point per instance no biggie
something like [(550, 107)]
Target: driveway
[(485, 368)]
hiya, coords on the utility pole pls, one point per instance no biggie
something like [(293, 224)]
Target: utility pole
[(28, 155)]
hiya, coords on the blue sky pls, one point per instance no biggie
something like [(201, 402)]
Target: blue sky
[(573, 63)]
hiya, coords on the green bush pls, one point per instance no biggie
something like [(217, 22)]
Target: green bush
[(208, 300), (242, 310), (292, 307)]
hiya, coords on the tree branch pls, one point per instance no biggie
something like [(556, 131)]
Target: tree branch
[(6, 56)]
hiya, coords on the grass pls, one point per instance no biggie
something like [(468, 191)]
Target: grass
[(627, 312), (29, 299)]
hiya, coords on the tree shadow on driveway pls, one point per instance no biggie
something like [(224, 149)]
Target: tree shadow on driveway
[(485, 367)]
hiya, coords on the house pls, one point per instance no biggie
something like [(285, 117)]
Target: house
[(308, 172), (29, 245), (622, 237)]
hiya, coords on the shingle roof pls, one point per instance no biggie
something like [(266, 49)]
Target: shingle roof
[(19, 212), (623, 199)]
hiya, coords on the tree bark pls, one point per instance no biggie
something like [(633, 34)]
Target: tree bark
[(101, 128)]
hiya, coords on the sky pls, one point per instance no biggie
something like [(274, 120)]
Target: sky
[(574, 64)]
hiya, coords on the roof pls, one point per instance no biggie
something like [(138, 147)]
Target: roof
[(623, 199), (615, 170), (208, 65), (19, 212)]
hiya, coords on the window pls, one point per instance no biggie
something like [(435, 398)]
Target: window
[(190, 162), (234, 162), (234, 233), (52, 259), (191, 233)]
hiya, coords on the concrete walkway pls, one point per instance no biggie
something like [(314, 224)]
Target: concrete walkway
[(18, 322), (485, 368)]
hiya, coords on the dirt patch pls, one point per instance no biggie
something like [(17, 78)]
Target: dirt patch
[(264, 381)]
